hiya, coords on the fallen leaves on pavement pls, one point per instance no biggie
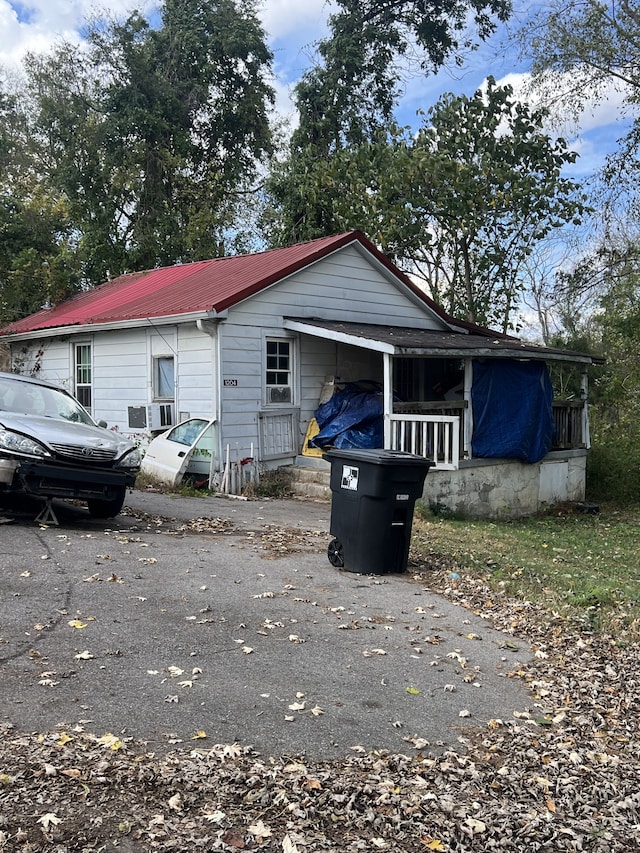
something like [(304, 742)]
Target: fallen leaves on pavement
[(563, 777)]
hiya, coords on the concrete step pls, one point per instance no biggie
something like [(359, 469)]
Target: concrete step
[(310, 480)]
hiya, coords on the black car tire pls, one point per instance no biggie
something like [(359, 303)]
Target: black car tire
[(106, 509)]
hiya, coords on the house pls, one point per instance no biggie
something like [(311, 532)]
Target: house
[(253, 342)]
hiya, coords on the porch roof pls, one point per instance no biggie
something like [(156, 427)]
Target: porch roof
[(407, 341)]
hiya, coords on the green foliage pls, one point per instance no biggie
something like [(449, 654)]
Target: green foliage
[(37, 257), (154, 135), (610, 278), (346, 100), (461, 203), (272, 483)]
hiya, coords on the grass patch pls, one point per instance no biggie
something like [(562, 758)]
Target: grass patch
[(583, 566)]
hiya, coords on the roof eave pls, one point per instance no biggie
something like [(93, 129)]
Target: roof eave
[(112, 325)]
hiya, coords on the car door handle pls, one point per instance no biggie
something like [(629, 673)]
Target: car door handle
[(181, 453)]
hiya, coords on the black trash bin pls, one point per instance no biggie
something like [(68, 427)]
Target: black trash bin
[(373, 495)]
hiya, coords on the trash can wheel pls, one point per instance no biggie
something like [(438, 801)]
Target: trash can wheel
[(336, 554)]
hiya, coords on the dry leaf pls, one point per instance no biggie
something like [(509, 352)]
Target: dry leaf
[(288, 846), (432, 843), (175, 802), (48, 820), (112, 741), (260, 830)]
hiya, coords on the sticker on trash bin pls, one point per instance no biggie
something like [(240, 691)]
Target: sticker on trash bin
[(349, 478)]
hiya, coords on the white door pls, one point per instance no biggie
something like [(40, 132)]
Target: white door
[(183, 448)]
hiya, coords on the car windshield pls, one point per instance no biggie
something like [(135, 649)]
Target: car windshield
[(26, 398)]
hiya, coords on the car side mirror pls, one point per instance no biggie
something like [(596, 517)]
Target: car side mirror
[(102, 424)]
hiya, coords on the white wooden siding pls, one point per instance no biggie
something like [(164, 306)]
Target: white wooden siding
[(317, 362), (344, 286), (197, 373), (121, 376), (48, 359)]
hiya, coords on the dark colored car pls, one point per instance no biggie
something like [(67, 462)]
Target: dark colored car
[(50, 447)]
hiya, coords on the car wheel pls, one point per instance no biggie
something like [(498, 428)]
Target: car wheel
[(106, 509)]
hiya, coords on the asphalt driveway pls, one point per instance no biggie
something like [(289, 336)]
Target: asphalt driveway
[(218, 621)]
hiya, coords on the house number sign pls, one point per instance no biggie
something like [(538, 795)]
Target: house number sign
[(230, 383)]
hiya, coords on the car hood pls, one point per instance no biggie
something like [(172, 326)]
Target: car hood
[(55, 431)]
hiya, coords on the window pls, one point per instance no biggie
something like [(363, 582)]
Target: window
[(83, 376), (163, 378), (279, 371)]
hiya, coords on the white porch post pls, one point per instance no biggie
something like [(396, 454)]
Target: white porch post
[(584, 396), (468, 411), (387, 396)]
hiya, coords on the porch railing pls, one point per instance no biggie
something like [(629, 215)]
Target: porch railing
[(569, 419), (416, 428), (435, 437)]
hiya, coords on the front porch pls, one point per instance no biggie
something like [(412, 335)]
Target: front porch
[(479, 407)]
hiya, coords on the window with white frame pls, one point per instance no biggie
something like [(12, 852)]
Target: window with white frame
[(83, 385), (279, 370), (164, 377)]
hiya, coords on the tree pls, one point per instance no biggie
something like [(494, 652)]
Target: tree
[(494, 188), (461, 203), (155, 134), (580, 51), (349, 95), (37, 264), (579, 47), (614, 460)]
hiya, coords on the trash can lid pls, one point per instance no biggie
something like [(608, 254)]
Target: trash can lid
[(378, 456)]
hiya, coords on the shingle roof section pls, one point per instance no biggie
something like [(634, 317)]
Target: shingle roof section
[(452, 344), (202, 286)]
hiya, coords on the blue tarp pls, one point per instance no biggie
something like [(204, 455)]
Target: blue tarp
[(512, 414), (352, 417)]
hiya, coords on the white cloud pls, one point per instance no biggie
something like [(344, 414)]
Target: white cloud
[(302, 20), (36, 25), (606, 110)]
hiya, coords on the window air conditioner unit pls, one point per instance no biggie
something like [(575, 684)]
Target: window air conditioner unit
[(279, 394), (160, 416)]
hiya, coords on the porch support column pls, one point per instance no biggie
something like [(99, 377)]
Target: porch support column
[(584, 396), (468, 410), (387, 397)]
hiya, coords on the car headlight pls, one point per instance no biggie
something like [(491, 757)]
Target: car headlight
[(16, 442), (132, 459)]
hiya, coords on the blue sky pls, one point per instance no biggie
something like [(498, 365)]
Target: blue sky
[(292, 27)]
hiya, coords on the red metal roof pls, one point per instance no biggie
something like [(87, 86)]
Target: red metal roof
[(201, 286)]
